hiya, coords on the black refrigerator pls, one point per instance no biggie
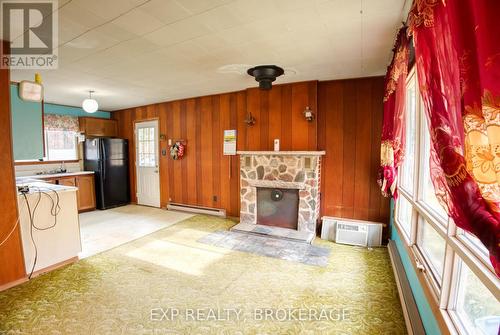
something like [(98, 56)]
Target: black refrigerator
[(108, 158)]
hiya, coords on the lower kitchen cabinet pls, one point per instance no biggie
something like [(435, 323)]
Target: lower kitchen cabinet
[(86, 191), (67, 181)]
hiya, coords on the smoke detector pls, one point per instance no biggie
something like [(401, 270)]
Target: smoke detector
[(265, 75)]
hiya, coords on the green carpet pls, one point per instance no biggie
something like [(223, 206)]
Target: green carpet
[(139, 287)]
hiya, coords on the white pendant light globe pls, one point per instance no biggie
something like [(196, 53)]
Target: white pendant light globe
[(90, 105)]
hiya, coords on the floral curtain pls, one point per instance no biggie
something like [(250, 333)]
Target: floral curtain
[(458, 64), (61, 122), (393, 128)]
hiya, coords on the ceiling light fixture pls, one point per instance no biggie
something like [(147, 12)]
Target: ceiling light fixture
[(90, 105), (265, 75)]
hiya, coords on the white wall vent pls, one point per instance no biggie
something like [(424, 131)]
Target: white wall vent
[(353, 232)]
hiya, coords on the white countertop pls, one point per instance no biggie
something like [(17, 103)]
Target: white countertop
[(282, 153), (55, 175), (36, 186)]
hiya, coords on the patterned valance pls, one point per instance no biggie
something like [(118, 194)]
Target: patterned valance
[(61, 122)]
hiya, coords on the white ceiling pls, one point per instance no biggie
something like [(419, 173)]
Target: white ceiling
[(137, 52)]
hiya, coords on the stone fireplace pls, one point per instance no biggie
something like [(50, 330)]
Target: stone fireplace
[(267, 175)]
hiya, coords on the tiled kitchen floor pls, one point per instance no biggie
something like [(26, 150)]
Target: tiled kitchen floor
[(102, 230)]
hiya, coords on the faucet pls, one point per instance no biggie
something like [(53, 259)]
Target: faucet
[(62, 168)]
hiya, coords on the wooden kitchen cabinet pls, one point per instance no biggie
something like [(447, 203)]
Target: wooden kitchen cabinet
[(96, 127), (71, 181), (86, 192)]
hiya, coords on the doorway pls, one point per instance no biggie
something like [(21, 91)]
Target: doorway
[(147, 163)]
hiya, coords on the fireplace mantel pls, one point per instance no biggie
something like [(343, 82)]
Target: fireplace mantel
[(277, 184), (281, 153)]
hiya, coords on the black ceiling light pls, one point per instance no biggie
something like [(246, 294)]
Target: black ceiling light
[(265, 75)]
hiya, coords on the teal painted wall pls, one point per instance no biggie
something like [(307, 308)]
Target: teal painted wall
[(428, 319), (27, 133), (75, 111)]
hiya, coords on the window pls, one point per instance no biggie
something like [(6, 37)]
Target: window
[(476, 307), (429, 198), (146, 146), (408, 168), (452, 263), (404, 215), (432, 246), (474, 245), (61, 141)]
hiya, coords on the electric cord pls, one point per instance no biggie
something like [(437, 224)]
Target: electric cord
[(54, 211), (11, 232), (31, 217)]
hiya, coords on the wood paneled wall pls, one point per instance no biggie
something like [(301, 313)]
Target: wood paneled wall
[(11, 254), (349, 129), (347, 125), (279, 114), (205, 177)]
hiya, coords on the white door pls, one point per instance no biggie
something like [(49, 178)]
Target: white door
[(148, 176)]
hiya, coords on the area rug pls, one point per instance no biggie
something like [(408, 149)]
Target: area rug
[(168, 283), (269, 246)]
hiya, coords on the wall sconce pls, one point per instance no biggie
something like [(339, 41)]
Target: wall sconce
[(250, 120), (308, 114)]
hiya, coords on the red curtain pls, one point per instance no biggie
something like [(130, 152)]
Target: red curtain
[(393, 128), (457, 51)]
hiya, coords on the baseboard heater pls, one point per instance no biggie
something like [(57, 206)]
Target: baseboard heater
[(411, 314), (196, 209)]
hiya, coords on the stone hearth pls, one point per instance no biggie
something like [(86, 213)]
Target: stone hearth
[(282, 170)]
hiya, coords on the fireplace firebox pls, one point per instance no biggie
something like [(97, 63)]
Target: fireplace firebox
[(278, 207)]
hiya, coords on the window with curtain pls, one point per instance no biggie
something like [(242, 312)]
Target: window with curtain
[(61, 137), (454, 262)]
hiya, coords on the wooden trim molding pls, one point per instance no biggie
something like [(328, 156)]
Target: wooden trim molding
[(45, 162), (6, 286)]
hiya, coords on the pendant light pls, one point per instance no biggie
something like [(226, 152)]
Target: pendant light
[(90, 105)]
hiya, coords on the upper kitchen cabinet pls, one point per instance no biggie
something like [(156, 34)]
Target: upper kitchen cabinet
[(97, 127), (27, 127)]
